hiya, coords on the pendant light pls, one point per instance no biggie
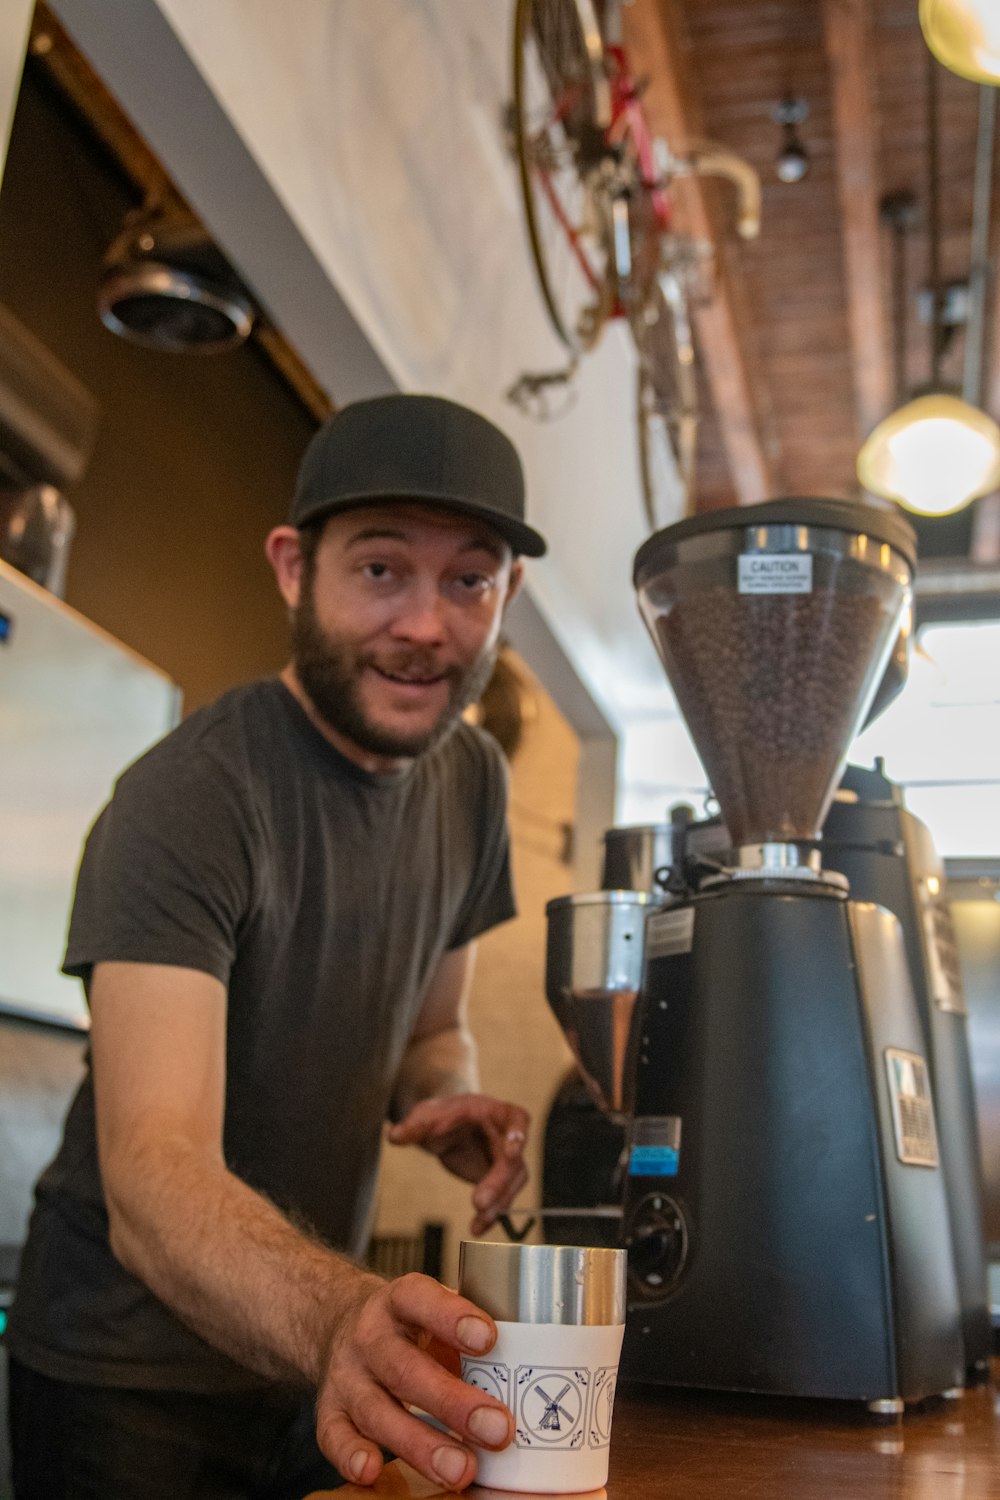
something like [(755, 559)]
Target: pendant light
[(933, 455), (792, 162), (965, 36), (937, 452)]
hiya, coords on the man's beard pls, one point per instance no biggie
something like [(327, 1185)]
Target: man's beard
[(330, 671)]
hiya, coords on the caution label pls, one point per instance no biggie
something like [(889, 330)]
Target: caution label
[(776, 573)]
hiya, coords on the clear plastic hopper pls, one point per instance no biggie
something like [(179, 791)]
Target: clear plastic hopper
[(774, 623)]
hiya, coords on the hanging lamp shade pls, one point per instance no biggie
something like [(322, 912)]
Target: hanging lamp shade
[(964, 35), (932, 455)]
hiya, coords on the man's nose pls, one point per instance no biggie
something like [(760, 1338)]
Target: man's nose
[(422, 616)]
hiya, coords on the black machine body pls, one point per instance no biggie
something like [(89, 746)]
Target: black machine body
[(889, 858), (782, 1152)]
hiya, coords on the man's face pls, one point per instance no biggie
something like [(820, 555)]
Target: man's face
[(397, 623)]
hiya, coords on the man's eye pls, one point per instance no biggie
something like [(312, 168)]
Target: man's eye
[(475, 583), (376, 570)]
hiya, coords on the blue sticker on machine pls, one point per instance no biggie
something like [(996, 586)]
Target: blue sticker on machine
[(6, 625), (653, 1161)]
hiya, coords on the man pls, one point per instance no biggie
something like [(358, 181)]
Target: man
[(274, 921)]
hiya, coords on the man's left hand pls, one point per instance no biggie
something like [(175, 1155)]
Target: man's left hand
[(477, 1138)]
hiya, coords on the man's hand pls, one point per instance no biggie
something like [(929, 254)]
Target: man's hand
[(378, 1363), (477, 1138)]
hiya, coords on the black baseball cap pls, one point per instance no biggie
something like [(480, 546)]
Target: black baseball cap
[(421, 448)]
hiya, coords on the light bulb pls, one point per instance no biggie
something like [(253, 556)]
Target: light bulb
[(933, 455), (793, 162), (964, 35)]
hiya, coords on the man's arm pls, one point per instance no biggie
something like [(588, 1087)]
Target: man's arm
[(437, 1102), (234, 1268), (440, 1058)]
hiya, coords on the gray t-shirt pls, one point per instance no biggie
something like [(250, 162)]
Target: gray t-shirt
[(323, 897)]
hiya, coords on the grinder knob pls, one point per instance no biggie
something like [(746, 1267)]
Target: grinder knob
[(657, 1243)]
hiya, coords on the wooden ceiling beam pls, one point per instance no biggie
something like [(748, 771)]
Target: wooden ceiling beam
[(654, 35), (847, 32)]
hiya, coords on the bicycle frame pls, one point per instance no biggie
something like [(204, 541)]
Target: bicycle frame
[(628, 121), (627, 128)]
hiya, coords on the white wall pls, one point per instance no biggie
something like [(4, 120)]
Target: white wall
[(15, 22), (378, 124)]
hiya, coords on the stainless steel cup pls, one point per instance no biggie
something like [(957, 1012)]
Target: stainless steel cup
[(578, 1284), (560, 1316)]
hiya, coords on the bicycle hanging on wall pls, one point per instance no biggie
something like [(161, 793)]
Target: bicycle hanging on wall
[(594, 185)]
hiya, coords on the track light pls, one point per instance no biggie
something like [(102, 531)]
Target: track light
[(166, 286)]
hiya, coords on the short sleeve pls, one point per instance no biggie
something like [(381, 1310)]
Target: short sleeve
[(490, 897), (166, 875)]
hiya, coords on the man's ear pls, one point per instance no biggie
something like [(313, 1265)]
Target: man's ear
[(283, 549), (514, 582)]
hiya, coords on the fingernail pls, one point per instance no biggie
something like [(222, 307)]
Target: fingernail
[(489, 1426), (358, 1464), (449, 1464), (474, 1334), (482, 1200)]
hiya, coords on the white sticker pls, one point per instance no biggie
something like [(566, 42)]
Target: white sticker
[(776, 573), (670, 932)]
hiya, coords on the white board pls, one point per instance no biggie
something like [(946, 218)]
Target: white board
[(76, 707)]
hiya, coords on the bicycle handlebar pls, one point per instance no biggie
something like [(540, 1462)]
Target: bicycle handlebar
[(709, 159)]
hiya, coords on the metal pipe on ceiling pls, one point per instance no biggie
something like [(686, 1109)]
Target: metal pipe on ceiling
[(979, 250)]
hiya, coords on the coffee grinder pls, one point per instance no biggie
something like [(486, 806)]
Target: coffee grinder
[(889, 859), (783, 1205)]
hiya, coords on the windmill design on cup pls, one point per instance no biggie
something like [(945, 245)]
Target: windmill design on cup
[(552, 1406)]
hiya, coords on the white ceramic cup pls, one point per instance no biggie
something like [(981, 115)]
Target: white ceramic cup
[(560, 1315)]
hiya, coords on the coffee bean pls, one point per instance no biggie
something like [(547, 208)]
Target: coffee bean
[(771, 687)]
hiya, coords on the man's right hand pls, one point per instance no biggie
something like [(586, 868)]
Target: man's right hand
[(378, 1364)]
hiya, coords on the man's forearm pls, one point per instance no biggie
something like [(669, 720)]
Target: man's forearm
[(229, 1264), (435, 1067)]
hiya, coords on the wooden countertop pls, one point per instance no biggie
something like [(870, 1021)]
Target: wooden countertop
[(682, 1445)]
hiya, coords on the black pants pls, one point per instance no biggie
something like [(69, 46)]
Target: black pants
[(85, 1442)]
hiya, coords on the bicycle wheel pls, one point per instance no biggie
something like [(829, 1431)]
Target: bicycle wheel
[(666, 404), (562, 107)]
